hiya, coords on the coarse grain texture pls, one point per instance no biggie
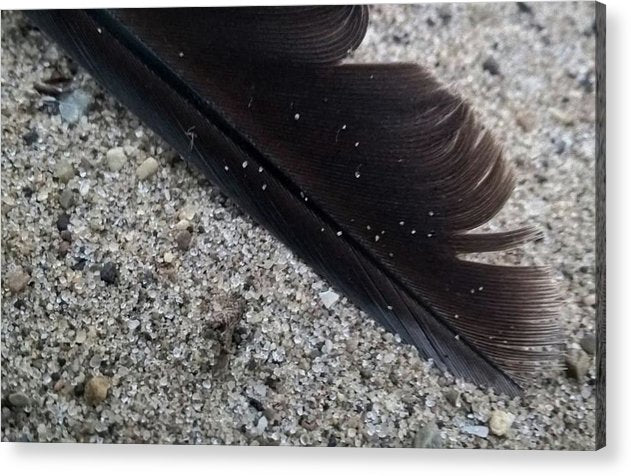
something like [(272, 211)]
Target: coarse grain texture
[(228, 341)]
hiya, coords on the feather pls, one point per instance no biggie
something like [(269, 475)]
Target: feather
[(374, 174)]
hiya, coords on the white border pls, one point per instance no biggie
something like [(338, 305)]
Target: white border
[(91, 460)]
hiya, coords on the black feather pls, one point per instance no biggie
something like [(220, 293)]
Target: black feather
[(372, 173)]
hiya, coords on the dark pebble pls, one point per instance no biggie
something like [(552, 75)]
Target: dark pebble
[(430, 22), (258, 406), (63, 221), (491, 66), (55, 376), (588, 344), (27, 191), (66, 236), (30, 137), (183, 240), (332, 441), (587, 84), (524, 7), (109, 273), (18, 400), (445, 17), (78, 389), (79, 264)]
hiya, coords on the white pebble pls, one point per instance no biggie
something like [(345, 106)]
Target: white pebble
[(329, 298), (148, 168), (116, 158)]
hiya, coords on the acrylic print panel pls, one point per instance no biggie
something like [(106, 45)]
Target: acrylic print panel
[(382, 233)]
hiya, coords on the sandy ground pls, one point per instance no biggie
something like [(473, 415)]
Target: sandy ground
[(291, 371)]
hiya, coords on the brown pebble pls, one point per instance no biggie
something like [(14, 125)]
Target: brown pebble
[(526, 122), (96, 389), (17, 280)]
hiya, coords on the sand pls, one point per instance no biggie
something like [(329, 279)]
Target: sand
[(167, 314)]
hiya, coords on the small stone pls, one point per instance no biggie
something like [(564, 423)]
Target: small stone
[(329, 298), (476, 430), (109, 273), (453, 396), (64, 171), (30, 137), (19, 400), (79, 389), (116, 158), (589, 300), (66, 198), (561, 116), (500, 422), (187, 213), (63, 221), (64, 247), (96, 390), (428, 436), (72, 106), (261, 425), (524, 7), (526, 122), (588, 344), (168, 257), (183, 239), (148, 168), (182, 225), (66, 236), (491, 66), (578, 363), (81, 336), (17, 280)]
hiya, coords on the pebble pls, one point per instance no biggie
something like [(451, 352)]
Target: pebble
[(30, 137), (561, 116), (428, 436), (168, 257), (476, 430), (116, 158), (66, 236), (187, 213), (95, 390), (261, 425), (72, 106), (17, 280), (182, 224), (578, 363), (183, 239), (588, 344), (63, 221), (453, 396), (589, 300), (109, 273), (64, 171), (500, 422), (19, 400), (329, 298), (147, 169), (64, 247), (526, 122), (491, 66), (66, 198)]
